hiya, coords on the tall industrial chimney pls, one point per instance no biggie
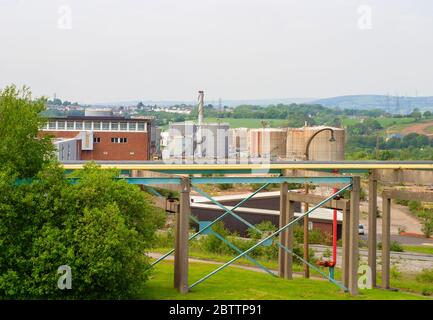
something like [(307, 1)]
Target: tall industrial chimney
[(199, 134), (200, 107)]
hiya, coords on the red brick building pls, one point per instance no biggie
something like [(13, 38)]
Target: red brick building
[(101, 137)]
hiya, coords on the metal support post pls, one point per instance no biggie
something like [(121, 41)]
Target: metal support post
[(354, 237), (181, 239), (372, 224)]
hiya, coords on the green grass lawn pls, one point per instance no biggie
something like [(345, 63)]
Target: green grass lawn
[(384, 121), (404, 281), (235, 284), (270, 264), (249, 123), (418, 249)]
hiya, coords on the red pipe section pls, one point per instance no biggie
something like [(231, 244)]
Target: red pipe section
[(334, 233), (333, 262), (334, 236)]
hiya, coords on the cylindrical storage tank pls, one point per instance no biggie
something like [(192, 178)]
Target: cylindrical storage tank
[(321, 148), (268, 143), (215, 141), (277, 143), (255, 142), (239, 140), (295, 146)]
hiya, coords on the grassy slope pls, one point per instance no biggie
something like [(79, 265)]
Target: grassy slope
[(384, 121), (233, 283), (403, 281), (419, 249)]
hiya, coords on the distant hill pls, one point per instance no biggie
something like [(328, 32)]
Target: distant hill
[(391, 104), (229, 103)]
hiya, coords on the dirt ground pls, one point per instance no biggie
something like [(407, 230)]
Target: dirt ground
[(400, 218), (420, 128)]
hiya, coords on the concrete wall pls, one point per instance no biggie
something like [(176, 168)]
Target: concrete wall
[(68, 150)]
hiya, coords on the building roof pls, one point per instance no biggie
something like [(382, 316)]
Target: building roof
[(318, 214), (260, 195), (100, 118), (203, 202)]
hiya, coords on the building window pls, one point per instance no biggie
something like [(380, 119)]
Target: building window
[(119, 140), (123, 126), (88, 125), (96, 139), (52, 125), (79, 125), (96, 125), (70, 125), (61, 125), (105, 125), (115, 126), (141, 126), (132, 126)]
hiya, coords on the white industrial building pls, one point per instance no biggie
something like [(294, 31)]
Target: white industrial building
[(197, 141)]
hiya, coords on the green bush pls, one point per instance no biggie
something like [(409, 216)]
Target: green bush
[(425, 276), (426, 217), (211, 243), (394, 246), (266, 227), (395, 273), (426, 292), (225, 186), (99, 227), (402, 202), (414, 206), (315, 236), (164, 239)]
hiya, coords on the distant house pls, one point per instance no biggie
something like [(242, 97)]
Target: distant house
[(394, 135)]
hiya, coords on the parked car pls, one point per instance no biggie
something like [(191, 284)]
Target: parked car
[(361, 230)]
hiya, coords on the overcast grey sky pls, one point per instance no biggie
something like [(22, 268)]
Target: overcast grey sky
[(253, 49)]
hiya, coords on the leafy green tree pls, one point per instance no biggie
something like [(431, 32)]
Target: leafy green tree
[(21, 149), (99, 226), (416, 114)]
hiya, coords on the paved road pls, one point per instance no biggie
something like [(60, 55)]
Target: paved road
[(400, 218), (407, 240)]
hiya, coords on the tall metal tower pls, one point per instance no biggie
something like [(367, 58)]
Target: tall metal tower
[(200, 107), (199, 135)]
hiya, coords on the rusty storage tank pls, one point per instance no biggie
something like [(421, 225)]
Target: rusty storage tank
[(239, 141), (268, 143), (321, 148)]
